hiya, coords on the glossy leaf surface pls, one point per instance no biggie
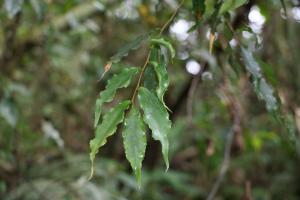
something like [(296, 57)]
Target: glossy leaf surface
[(134, 138), (107, 128), (157, 118), (120, 80)]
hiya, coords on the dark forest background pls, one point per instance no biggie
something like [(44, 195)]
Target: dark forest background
[(52, 53)]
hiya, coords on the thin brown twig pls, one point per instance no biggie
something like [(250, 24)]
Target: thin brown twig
[(140, 77), (224, 166), (171, 18), (191, 94), (149, 53)]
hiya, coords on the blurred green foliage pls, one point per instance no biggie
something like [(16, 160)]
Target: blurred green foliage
[(52, 53)]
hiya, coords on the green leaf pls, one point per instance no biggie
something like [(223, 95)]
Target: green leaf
[(163, 42), (120, 80), (13, 7), (251, 64), (263, 90), (157, 118), (160, 69), (130, 46), (163, 79), (135, 141), (210, 7), (107, 128), (231, 5), (150, 78)]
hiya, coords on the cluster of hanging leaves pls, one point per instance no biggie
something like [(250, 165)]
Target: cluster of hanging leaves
[(151, 112)]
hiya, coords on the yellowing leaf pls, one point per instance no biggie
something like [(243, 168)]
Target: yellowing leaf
[(211, 42), (106, 69), (263, 90)]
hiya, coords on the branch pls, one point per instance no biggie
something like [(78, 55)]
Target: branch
[(224, 166)]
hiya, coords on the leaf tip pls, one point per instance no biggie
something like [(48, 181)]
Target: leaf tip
[(106, 69)]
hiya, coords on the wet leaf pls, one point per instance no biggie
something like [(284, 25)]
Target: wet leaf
[(107, 128), (157, 118), (120, 80), (134, 138)]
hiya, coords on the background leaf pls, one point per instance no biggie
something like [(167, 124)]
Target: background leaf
[(157, 118), (13, 7), (150, 78), (231, 5), (263, 90), (135, 141), (132, 45)]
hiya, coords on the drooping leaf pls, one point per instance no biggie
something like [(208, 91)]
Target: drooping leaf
[(263, 90), (120, 80), (107, 128), (157, 118), (157, 61), (163, 79), (135, 141), (251, 65), (150, 80), (130, 46), (165, 43), (13, 7), (231, 5)]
